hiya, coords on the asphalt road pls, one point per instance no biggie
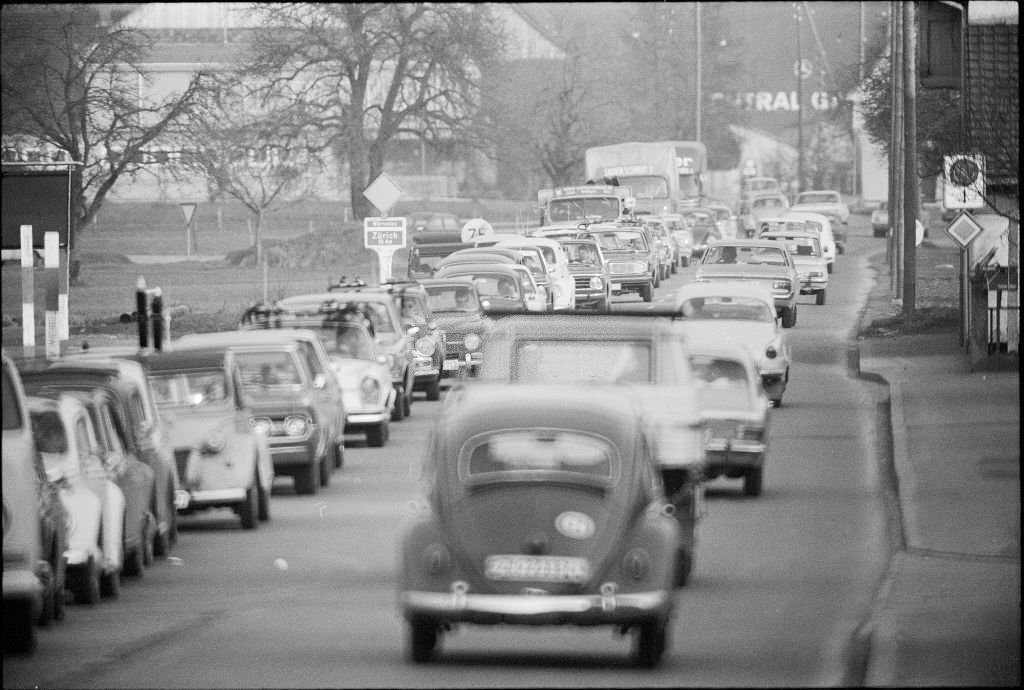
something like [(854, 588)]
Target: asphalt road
[(782, 583)]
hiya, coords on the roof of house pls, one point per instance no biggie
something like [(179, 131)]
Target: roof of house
[(993, 99)]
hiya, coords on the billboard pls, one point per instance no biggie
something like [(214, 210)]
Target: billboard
[(40, 198)]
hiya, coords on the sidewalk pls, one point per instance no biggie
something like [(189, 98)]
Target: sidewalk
[(949, 610)]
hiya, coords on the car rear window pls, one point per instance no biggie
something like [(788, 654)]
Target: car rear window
[(581, 361), (726, 307), (189, 388), (538, 450), (269, 370)]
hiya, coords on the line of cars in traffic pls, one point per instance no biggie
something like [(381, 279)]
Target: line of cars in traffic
[(616, 422)]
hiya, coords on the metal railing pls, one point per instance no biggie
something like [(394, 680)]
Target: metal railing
[(1003, 329)]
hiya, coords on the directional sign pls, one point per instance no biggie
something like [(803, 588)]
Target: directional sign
[(384, 232), (964, 229), (383, 192), (476, 229)]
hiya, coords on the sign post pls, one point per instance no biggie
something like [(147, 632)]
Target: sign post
[(385, 236), (188, 209), (964, 230), (382, 234)]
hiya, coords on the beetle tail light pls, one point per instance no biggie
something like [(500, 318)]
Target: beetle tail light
[(636, 564), (436, 559)]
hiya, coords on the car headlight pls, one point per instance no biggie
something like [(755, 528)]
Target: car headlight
[(471, 342), (780, 285), (261, 425), (369, 390), (425, 346), (596, 283), (296, 425), (644, 266), (215, 443)]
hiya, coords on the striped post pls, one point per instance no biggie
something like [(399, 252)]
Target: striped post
[(28, 291), (51, 279)]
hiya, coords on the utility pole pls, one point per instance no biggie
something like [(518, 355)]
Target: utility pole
[(699, 70), (896, 150), (910, 185), (799, 105)]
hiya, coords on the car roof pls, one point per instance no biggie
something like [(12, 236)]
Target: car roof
[(448, 282), (739, 242), (271, 337), (198, 358), (794, 234), (714, 288), (808, 215), (304, 302), (484, 267), (553, 326)]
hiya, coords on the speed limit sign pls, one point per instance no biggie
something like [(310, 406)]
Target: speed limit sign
[(476, 229)]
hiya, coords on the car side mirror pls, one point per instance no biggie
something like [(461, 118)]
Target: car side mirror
[(413, 331), (319, 381)]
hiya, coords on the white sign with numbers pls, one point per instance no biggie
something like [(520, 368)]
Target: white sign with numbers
[(476, 229)]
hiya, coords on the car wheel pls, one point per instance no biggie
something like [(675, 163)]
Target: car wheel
[(433, 390), (49, 585), (831, 267), (376, 436), (753, 481), (819, 298), (162, 540), (339, 454), (685, 261), (149, 537), (647, 292), (423, 638), (657, 279), (110, 584), (326, 468), (307, 480), (396, 410), (19, 628), (262, 502), (650, 642), (789, 317), (407, 403), (684, 566), (134, 561), (673, 268), (248, 509), (84, 583)]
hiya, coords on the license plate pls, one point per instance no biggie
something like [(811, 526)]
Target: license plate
[(616, 286), (451, 364), (537, 568)]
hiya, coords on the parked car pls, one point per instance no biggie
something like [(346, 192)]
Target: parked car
[(22, 585), (734, 409), (289, 386), (880, 220), (825, 229), (456, 304), (66, 439), (542, 507), (743, 312), (132, 476), (805, 249), (760, 261), (395, 340), (124, 376), (560, 285), (827, 202), (503, 287), (223, 461), (637, 351), (589, 269)]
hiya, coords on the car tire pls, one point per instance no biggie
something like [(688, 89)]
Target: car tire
[(819, 298), (647, 292), (48, 580), (433, 389), (377, 436), (307, 480), (753, 481), (831, 267), (162, 541), (407, 403), (110, 584), (84, 583), (396, 410), (673, 269), (423, 639), (262, 502), (684, 566), (338, 456), (650, 642), (19, 628), (149, 538), (326, 468), (789, 317), (248, 509), (657, 279), (134, 561)]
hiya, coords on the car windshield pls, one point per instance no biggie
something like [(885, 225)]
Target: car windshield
[(716, 372), (768, 202), (379, 315), (581, 209), (732, 254), (191, 388), (817, 198), (622, 240), (452, 298), (531, 450), (797, 246), (582, 253), (738, 308), (270, 370), (582, 361), (503, 287), (646, 186), (347, 340)]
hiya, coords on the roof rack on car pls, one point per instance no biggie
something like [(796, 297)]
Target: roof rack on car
[(345, 284), (265, 314)]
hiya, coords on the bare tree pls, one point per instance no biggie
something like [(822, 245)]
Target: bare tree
[(73, 84), (364, 74), (249, 151)]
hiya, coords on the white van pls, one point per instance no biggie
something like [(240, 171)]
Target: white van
[(823, 226)]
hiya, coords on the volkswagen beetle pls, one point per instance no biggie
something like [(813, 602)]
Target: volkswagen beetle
[(541, 507)]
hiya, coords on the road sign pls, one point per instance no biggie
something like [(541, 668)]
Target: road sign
[(187, 209), (384, 236), (383, 192), (476, 229), (963, 229), (963, 181)]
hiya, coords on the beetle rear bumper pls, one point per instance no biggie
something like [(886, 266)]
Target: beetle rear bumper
[(491, 609)]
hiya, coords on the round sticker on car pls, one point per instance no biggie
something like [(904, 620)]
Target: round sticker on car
[(575, 525)]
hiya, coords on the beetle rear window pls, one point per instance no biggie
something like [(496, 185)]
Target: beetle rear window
[(532, 450), (581, 361), (192, 388)]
